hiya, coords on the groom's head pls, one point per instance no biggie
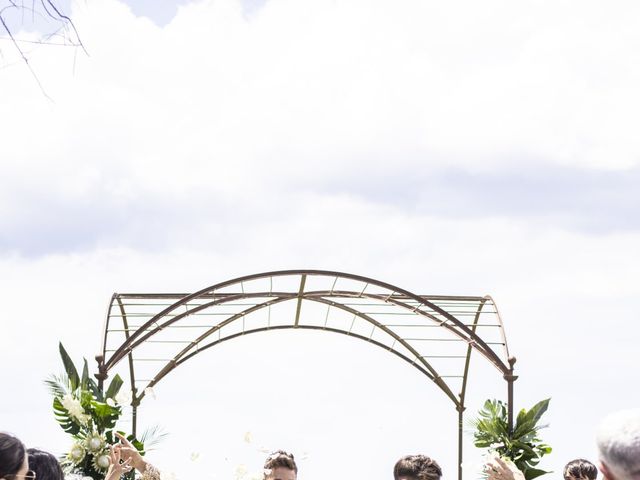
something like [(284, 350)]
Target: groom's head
[(280, 465), (417, 467)]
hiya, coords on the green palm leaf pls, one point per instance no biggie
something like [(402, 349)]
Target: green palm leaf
[(522, 445), (114, 387), (58, 385), (70, 368)]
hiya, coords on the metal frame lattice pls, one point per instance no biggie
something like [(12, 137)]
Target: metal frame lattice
[(156, 333)]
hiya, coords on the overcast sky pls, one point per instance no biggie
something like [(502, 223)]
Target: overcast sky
[(448, 148)]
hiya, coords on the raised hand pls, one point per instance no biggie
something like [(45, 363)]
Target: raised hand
[(117, 468), (128, 452), (498, 469)]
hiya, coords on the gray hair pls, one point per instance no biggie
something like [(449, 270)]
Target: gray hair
[(618, 441)]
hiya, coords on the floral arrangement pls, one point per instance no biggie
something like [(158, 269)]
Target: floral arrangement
[(89, 415), (522, 446)]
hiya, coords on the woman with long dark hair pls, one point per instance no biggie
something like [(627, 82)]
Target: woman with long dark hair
[(14, 463), (45, 465)]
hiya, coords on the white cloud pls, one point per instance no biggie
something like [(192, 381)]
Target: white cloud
[(233, 110), (567, 301), (220, 145), (327, 82)]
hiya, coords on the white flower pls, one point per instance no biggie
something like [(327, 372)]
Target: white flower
[(241, 471), (248, 438), (77, 453), (94, 442), (74, 407), (123, 397), (150, 393), (101, 461)]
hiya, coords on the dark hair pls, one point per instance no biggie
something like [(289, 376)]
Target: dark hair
[(45, 465), (417, 467), (280, 459), (12, 453), (580, 469)]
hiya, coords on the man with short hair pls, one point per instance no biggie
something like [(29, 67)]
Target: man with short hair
[(280, 465), (417, 467), (618, 440), (580, 469)]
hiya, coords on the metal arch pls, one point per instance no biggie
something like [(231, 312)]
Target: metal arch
[(427, 307), (485, 349), (130, 345), (177, 359), (311, 296)]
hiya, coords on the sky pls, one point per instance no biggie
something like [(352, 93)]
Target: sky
[(457, 148)]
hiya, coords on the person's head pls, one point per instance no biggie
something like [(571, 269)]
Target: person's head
[(580, 469), (280, 465), (45, 465), (14, 464), (417, 467), (618, 440)]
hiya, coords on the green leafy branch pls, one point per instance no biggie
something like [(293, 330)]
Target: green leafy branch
[(89, 415), (522, 446)]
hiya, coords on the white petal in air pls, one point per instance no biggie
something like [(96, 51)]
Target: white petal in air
[(241, 471), (123, 397)]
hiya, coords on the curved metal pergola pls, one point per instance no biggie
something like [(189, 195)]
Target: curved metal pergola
[(156, 333)]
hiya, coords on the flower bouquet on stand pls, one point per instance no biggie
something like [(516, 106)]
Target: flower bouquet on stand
[(522, 448), (89, 415)]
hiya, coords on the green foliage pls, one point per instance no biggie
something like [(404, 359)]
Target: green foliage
[(70, 368), (106, 416), (114, 387), (86, 412), (522, 446), (63, 418)]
